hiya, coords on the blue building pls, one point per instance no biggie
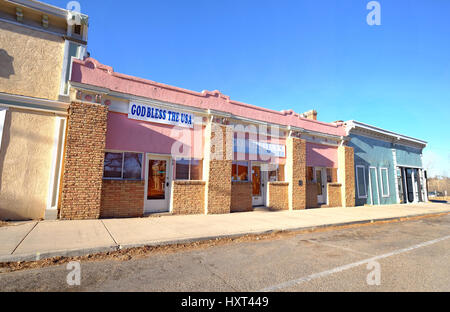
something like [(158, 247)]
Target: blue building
[(388, 166)]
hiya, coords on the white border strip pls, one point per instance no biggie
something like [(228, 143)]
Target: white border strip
[(387, 182), (56, 167), (2, 123), (357, 182)]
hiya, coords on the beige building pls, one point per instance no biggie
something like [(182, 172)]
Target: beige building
[(37, 44)]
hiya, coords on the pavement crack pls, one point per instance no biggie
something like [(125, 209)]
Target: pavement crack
[(112, 237), (217, 275), (24, 238)]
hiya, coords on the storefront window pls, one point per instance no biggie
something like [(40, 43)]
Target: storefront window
[(188, 169), (132, 166), (361, 181), (239, 171), (182, 169), (126, 166), (276, 173), (331, 175), (196, 169), (273, 176), (400, 185)]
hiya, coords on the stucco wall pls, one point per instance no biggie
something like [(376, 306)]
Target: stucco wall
[(30, 62), (25, 161), (150, 137), (370, 152), (318, 155)]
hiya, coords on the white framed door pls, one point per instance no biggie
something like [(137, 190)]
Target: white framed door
[(321, 180), (158, 179), (259, 185)]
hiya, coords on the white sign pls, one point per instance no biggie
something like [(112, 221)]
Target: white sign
[(270, 149), (160, 115), (261, 148)]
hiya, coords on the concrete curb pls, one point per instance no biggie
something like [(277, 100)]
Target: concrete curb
[(30, 257), (102, 249)]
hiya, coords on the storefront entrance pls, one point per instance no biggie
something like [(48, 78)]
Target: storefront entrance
[(412, 188), (259, 182), (158, 178), (321, 180)]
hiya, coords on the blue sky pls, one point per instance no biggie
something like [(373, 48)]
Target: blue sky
[(299, 54)]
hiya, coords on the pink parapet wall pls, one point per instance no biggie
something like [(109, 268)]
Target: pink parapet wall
[(91, 72), (318, 155), (126, 134)]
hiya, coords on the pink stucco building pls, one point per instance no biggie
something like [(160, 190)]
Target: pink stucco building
[(168, 149)]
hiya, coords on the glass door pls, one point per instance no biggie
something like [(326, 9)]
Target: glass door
[(158, 178), (321, 180), (410, 184), (257, 186), (400, 184)]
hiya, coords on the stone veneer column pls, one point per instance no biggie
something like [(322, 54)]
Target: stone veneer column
[(295, 172), (347, 175), (217, 168), (83, 161)]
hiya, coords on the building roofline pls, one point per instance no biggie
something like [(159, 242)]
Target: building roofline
[(351, 124), (43, 7), (91, 72)]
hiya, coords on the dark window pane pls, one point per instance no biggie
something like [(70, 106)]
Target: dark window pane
[(409, 184), (242, 171), (273, 173), (234, 172), (182, 169), (196, 169), (132, 167), (113, 165), (361, 181), (329, 175), (273, 176)]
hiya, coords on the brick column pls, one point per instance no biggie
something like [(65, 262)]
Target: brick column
[(295, 172), (217, 168), (347, 175), (83, 161)]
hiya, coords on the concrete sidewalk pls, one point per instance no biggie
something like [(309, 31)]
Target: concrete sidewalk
[(38, 240)]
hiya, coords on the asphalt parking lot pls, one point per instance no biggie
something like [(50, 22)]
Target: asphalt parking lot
[(405, 256)]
